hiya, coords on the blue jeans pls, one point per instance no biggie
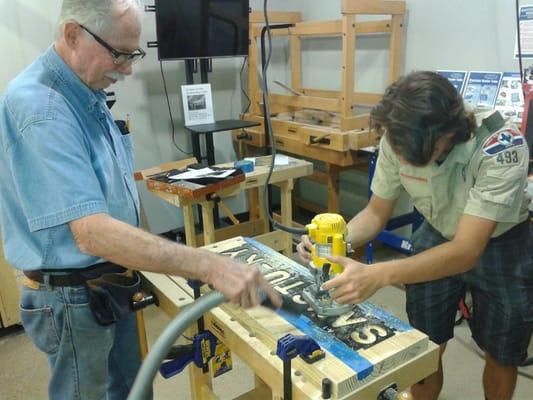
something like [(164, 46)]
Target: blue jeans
[(87, 360)]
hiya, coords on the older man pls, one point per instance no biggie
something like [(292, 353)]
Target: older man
[(69, 205)]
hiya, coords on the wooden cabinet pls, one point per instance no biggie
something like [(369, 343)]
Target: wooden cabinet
[(9, 293)]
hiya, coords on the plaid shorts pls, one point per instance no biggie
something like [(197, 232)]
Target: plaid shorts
[(501, 285)]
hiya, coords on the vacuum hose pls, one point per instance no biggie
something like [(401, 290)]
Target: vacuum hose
[(150, 366)]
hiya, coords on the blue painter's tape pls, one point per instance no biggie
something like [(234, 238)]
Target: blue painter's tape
[(348, 356), (244, 165), (388, 319)]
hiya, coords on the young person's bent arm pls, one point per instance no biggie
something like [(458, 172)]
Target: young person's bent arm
[(359, 281), (102, 236), (367, 224)]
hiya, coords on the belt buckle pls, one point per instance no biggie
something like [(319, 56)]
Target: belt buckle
[(30, 283)]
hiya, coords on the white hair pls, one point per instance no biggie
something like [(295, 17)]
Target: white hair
[(97, 15)]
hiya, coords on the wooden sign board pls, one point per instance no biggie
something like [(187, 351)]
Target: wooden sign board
[(361, 345)]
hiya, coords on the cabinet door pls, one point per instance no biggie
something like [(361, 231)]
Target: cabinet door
[(9, 293)]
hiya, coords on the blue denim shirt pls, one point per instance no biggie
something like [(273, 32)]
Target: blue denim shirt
[(62, 158)]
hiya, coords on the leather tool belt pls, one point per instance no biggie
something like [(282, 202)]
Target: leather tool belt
[(111, 287)]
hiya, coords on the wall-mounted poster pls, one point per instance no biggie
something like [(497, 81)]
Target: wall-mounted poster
[(510, 100), (197, 104), (457, 78), (526, 32), (481, 88)]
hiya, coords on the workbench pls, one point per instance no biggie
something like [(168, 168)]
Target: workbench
[(391, 352), (282, 176)]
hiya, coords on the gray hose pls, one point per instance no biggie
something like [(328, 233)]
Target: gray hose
[(388, 394), (150, 366)]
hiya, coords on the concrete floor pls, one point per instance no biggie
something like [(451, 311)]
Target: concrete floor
[(24, 371)]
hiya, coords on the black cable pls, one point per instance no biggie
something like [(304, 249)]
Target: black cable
[(243, 91), (269, 132), (170, 111), (519, 45)]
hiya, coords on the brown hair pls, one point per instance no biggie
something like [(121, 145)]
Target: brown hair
[(416, 111)]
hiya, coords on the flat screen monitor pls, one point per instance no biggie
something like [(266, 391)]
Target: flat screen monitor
[(201, 28)]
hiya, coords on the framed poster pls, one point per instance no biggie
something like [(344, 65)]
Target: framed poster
[(481, 88), (457, 78), (197, 104), (510, 100)]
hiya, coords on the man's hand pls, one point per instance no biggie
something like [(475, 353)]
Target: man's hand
[(242, 284), (356, 283), (304, 249)]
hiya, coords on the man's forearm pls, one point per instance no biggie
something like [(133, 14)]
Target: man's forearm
[(113, 240)]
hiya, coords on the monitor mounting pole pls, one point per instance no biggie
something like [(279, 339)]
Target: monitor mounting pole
[(206, 66)]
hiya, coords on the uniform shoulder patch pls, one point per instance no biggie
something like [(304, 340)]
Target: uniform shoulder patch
[(502, 140)]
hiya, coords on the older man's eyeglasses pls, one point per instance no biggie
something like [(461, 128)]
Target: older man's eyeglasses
[(119, 57)]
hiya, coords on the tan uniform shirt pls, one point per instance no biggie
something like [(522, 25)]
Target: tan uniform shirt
[(485, 177)]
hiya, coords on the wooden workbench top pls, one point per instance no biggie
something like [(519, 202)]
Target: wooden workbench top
[(367, 349)]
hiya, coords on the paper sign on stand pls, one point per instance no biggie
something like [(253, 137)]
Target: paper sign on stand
[(197, 104)]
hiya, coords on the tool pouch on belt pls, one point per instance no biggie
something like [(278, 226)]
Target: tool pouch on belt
[(111, 295)]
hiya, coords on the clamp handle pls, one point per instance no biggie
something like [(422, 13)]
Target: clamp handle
[(141, 300), (291, 346), (200, 352)]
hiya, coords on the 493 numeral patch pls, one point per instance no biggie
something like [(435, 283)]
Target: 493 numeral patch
[(508, 157)]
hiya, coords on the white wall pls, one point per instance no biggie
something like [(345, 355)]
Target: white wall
[(475, 34), (453, 34)]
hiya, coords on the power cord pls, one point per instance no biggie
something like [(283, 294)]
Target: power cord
[(170, 111), (243, 91), (269, 132), (519, 45)]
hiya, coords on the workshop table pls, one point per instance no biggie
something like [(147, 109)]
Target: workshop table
[(402, 358), (282, 176)]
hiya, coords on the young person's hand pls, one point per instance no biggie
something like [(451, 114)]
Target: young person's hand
[(356, 283)]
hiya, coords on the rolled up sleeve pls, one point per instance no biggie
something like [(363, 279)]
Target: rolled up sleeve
[(499, 188)]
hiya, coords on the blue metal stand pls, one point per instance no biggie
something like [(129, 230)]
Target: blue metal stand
[(397, 242)]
